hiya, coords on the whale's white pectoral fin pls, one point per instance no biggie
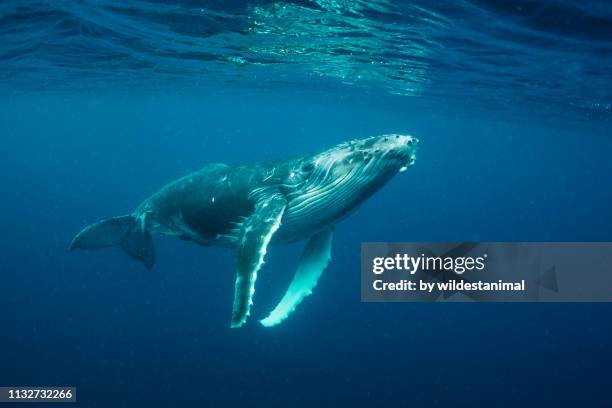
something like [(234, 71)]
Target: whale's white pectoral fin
[(256, 232), (313, 262)]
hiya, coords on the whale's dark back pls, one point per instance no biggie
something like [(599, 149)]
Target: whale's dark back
[(214, 200), (210, 201)]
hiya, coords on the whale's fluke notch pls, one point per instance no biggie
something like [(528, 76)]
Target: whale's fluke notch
[(138, 244), (126, 231), (256, 233), (314, 260)]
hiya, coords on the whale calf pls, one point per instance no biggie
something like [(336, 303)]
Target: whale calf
[(250, 207)]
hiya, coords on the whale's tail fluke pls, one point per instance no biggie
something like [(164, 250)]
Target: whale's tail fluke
[(127, 231)]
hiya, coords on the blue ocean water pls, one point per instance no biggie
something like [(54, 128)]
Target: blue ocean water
[(103, 102)]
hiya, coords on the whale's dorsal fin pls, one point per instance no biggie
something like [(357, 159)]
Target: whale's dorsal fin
[(256, 232), (313, 262)]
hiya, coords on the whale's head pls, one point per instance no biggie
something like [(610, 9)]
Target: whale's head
[(378, 156), (366, 163), (336, 181)]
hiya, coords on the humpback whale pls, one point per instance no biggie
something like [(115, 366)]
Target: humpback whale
[(251, 207)]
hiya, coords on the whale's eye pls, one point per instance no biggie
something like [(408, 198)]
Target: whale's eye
[(307, 168)]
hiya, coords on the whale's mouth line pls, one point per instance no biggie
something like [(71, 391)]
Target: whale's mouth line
[(410, 153), (405, 158), (410, 162)]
